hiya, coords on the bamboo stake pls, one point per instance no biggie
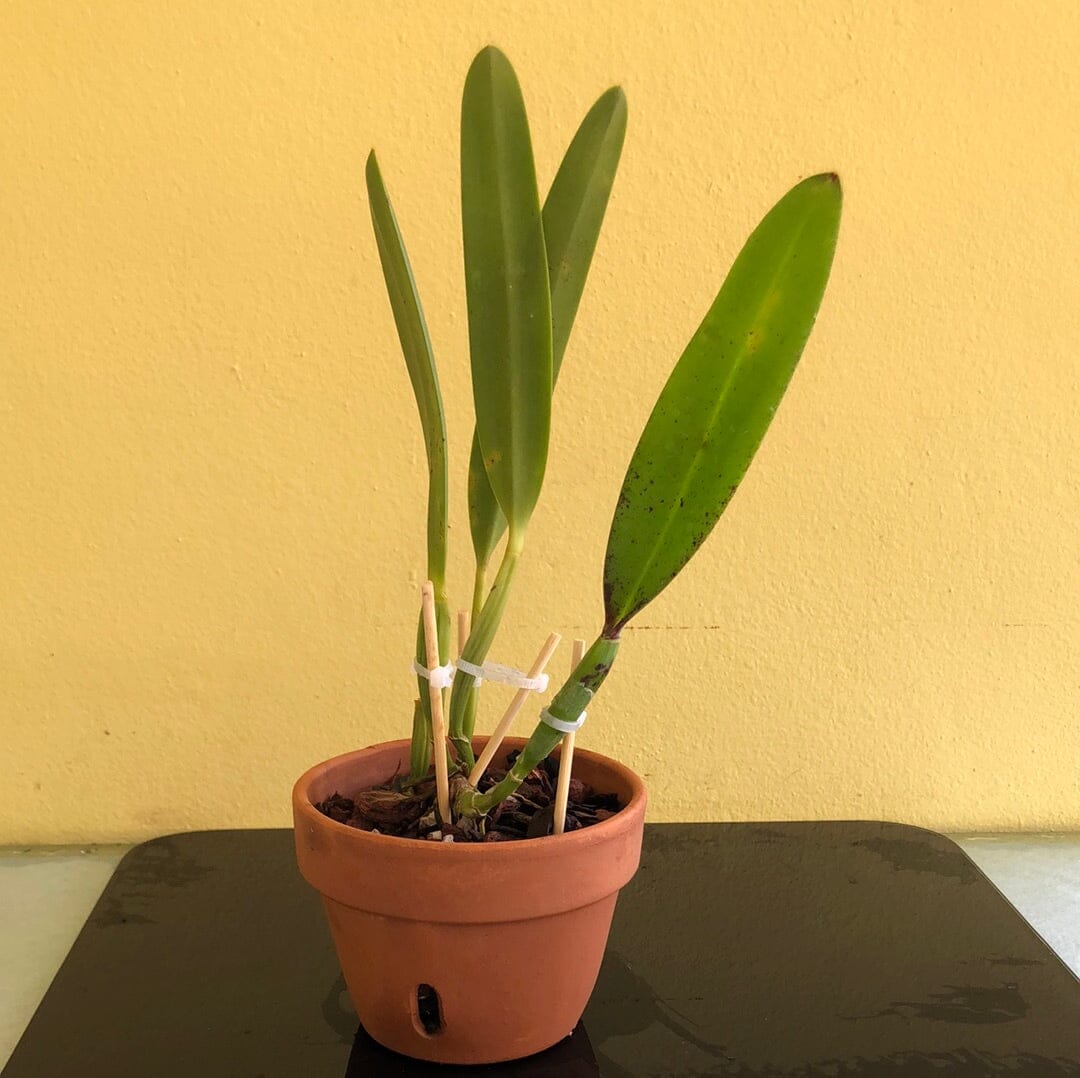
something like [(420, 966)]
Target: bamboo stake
[(438, 720), (566, 758), (511, 713)]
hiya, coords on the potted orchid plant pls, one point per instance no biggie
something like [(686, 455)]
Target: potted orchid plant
[(460, 871)]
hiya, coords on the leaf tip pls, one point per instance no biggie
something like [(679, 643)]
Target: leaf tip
[(611, 107), (616, 96), (829, 181), (489, 56), (823, 189)]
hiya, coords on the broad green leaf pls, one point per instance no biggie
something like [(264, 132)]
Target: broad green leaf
[(572, 216), (506, 286), (720, 398), (420, 360)]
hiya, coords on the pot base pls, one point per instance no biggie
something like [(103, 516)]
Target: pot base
[(481, 999), (467, 953)]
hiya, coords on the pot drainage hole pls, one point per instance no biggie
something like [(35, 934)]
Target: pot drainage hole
[(427, 1009)]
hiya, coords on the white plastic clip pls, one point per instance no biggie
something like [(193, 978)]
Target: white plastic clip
[(560, 725), (441, 676), (504, 675), (474, 670)]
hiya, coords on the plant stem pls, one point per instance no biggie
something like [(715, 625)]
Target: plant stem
[(420, 753), (569, 702), (472, 703), (479, 591), (485, 624)]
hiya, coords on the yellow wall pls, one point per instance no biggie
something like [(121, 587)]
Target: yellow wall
[(210, 470)]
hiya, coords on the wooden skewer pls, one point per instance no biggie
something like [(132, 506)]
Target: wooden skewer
[(566, 759), (511, 713), (438, 720)]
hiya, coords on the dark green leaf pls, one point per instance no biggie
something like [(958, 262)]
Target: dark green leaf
[(506, 285), (720, 398), (572, 216)]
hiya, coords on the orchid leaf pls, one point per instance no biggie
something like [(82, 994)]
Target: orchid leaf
[(714, 410), (572, 216), (420, 361), (486, 520), (574, 211), (506, 285)]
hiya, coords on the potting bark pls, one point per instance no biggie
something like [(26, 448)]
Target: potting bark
[(407, 810)]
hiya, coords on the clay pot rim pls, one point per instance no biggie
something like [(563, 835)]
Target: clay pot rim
[(584, 836)]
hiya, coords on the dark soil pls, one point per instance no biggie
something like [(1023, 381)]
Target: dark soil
[(407, 810)]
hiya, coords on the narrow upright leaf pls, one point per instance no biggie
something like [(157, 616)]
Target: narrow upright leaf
[(572, 216), (720, 398), (506, 284), (574, 210), (420, 360)]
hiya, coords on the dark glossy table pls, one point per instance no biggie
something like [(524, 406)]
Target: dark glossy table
[(797, 949)]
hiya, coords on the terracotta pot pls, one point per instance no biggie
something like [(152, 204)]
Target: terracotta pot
[(507, 936)]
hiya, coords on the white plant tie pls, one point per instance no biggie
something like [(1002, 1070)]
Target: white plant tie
[(504, 675), (440, 677), (560, 725)]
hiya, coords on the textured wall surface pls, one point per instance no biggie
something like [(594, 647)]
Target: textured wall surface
[(211, 476)]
